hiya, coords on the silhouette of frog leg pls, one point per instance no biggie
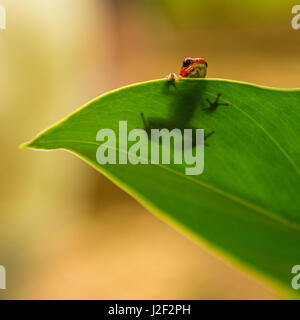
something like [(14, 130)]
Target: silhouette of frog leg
[(207, 136), (214, 105), (144, 120), (147, 124)]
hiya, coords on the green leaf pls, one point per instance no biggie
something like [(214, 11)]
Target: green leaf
[(245, 205)]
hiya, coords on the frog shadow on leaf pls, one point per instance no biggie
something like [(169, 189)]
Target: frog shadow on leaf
[(186, 99)]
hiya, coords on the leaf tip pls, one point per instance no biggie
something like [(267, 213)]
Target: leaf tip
[(28, 145), (25, 145)]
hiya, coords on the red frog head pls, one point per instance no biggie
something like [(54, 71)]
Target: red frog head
[(193, 68)]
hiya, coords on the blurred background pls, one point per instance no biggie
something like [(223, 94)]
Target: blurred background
[(66, 232)]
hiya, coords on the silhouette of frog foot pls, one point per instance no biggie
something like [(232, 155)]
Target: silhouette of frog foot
[(144, 120), (146, 126), (207, 136), (214, 105)]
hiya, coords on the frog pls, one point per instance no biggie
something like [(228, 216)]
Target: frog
[(191, 68), (196, 68)]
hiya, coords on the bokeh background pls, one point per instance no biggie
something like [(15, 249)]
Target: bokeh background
[(66, 232)]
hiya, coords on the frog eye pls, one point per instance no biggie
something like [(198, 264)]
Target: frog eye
[(187, 62)]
